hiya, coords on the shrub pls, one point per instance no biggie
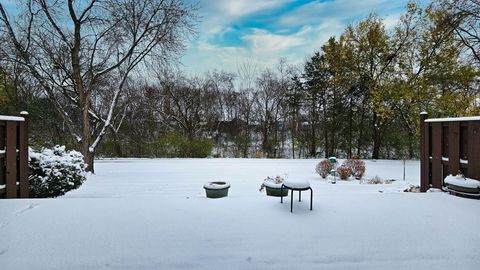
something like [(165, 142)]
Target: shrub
[(344, 172), (357, 166), (323, 168), (375, 180), (54, 172), (178, 146)]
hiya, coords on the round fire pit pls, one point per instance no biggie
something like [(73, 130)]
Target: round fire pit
[(217, 189)]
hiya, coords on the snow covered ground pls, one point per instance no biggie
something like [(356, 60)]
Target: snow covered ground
[(153, 214)]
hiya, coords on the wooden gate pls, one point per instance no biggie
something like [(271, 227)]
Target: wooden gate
[(448, 146), (14, 156)]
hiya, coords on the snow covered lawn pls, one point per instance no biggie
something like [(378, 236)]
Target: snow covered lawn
[(153, 214)]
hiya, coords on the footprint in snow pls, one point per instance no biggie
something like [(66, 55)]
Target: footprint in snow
[(23, 210)]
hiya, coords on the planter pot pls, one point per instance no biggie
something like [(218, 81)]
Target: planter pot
[(276, 192), (463, 189), (216, 190)]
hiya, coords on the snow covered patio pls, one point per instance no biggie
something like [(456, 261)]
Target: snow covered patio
[(153, 214)]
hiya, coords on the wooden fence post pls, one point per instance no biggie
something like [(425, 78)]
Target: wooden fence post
[(11, 156)]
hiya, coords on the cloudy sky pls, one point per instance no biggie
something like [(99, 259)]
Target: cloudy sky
[(234, 31)]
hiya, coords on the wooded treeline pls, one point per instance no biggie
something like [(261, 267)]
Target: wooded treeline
[(360, 94)]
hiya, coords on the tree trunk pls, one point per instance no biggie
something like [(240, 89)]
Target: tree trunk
[(350, 131), (86, 138), (376, 137), (360, 135), (116, 145)]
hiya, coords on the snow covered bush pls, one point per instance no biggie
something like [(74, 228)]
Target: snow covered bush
[(323, 168), (53, 172), (375, 180), (357, 166), (344, 172)]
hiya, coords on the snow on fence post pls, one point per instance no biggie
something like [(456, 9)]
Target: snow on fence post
[(23, 156), (13, 156), (448, 145)]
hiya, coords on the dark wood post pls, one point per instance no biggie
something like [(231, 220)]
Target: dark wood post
[(23, 158), (11, 160), (424, 182)]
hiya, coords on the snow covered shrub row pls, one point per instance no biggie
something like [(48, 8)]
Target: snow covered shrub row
[(323, 168), (53, 172), (351, 167)]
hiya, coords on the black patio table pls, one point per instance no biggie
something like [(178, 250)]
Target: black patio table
[(297, 186)]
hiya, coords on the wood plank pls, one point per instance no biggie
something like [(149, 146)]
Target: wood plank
[(23, 160), (427, 175), (424, 161), (11, 160), (437, 176), (463, 142), (445, 139), (474, 150), (454, 148), (2, 156)]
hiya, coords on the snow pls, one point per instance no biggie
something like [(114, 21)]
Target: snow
[(272, 185), (454, 119), (11, 118), (153, 214), (216, 185), (300, 185), (461, 181), (274, 182)]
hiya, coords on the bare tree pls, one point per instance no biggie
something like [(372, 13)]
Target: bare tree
[(74, 48), (463, 16)]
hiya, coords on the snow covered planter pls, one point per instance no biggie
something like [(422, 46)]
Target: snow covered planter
[(53, 172), (462, 185), (216, 189), (273, 186)]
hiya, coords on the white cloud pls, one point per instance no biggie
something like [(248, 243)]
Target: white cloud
[(340, 10), (316, 22), (263, 41), (261, 47), (239, 8), (217, 13)]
